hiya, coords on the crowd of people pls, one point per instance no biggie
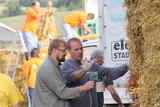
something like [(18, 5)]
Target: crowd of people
[(55, 81)]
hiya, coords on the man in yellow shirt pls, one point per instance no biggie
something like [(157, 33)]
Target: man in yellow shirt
[(30, 27), (77, 19), (9, 94), (31, 68)]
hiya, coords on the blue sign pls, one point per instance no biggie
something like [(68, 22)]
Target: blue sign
[(116, 2), (117, 17)]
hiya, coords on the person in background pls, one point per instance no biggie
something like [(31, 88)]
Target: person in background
[(98, 57), (76, 75), (77, 19), (51, 90), (9, 94), (30, 69), (30, 27), (43, 53)]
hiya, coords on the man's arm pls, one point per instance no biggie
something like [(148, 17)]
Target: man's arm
[(39, 14), (85, 67), (54, 80), (115, 95), (72, 74), (113, 73), (116, 72), (86, 28), (44, 14), (75, 74), (79, 74)]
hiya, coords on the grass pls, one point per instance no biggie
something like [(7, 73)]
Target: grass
[(15, 22)]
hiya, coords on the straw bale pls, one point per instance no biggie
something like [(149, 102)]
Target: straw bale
[(143, 31)]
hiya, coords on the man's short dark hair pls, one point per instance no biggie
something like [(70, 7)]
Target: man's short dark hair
[(34, 3), (74, 39), (91, 15), (35, 52), (55, 43)]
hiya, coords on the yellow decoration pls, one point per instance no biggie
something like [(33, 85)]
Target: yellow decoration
[(89, 37), (47, 28)]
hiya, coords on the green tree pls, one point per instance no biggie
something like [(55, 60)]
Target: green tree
[(13, 9), (71, 4), (2, 1), (26, 3), (44, 3)]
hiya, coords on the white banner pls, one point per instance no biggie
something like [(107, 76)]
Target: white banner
[(116, 41)]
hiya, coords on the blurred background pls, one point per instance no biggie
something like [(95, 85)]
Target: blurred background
[(12, 12)]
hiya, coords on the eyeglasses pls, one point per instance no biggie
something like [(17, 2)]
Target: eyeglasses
[(62, 50)]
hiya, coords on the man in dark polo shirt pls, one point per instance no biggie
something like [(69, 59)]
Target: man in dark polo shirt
[(76, 75)]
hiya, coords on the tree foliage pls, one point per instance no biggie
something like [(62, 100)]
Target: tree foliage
[(28, 3), (25, 3), (13, 9), (71, 4)]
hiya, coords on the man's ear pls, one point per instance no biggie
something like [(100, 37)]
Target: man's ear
[(54, 50)]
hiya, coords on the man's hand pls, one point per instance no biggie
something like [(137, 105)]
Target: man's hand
[(86, 65), (86, 28), (48, 12), (87, 86)]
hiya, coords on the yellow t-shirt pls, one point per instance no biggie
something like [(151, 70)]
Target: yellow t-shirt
[(76, 19), (30, 69), (9, 94), (31, 23)]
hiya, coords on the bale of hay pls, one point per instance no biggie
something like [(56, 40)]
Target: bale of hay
[(143, 31)]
